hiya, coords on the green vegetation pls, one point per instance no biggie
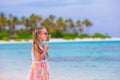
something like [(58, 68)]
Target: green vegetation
[(58, 28), (97, 35)]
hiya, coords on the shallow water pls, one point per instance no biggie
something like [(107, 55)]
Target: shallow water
[(67, 60)]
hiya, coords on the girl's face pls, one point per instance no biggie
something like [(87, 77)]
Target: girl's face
[(43, 35)]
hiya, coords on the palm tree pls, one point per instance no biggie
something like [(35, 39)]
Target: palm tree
[(33, 21), (87, 23), (79, 26), (46, 23), (28, 23), (3, 22), (70, 25), (12, 22), (38, 21), (60, 24), (15, 22), (51, 20)]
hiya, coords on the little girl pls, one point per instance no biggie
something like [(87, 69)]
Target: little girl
[(39, 69)]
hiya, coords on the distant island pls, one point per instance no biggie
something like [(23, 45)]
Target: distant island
[(15, 28)]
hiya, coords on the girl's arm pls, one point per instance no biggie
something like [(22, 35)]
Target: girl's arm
[(39, 56)]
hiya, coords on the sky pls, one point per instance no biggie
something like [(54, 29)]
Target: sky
[(104, 14)]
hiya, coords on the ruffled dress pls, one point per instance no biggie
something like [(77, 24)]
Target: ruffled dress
[(39, 70)]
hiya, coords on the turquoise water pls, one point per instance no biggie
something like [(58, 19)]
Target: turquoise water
[(67, 60)]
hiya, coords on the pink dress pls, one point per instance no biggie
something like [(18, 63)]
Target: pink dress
[(39, 70)]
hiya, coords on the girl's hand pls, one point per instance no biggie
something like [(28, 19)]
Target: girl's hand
[(46, 47)]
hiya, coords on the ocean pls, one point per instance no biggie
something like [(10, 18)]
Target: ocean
[(97, 60)]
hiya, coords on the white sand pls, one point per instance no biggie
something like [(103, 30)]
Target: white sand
[(63, 40)]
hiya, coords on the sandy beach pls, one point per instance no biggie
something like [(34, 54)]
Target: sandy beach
[(84, 40), (63, 40)]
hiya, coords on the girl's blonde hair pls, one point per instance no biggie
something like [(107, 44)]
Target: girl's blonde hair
[(36, 40)]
